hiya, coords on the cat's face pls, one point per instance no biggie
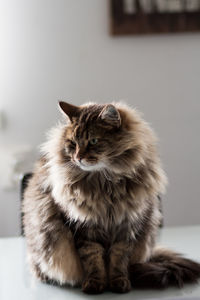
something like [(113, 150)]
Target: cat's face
[(92, 135)]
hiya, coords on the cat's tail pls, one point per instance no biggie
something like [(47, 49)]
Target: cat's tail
[(165, 268)]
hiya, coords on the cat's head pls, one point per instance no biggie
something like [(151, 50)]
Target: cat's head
[(98, 137)]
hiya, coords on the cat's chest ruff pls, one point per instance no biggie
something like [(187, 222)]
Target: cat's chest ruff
[(100, 202), (96, 199)]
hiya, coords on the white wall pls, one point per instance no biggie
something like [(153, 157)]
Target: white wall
[(62, 50)]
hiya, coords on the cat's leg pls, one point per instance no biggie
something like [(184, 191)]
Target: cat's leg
[(50, 243), (54, 260), (58, 261), (142, 250), (92, 256), (63, 264), (119, 256)]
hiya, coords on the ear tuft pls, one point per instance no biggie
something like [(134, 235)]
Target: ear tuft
[(70, 110), (110, 115)]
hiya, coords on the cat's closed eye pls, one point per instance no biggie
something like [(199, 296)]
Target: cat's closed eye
[(71, 144)]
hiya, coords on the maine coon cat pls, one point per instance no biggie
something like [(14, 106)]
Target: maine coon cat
[(91, 208)]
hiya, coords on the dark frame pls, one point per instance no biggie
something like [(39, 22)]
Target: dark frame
[(154, 22)]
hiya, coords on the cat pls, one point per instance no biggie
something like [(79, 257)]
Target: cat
[(91, 209)]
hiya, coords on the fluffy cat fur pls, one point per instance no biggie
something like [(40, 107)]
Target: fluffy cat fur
[(91, 208)]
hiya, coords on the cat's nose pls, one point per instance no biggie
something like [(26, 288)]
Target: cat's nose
[(78, 158)]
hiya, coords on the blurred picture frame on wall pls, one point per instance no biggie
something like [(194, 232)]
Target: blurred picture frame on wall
[(129, 17)]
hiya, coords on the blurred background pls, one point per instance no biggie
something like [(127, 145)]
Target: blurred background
[(63, 49)]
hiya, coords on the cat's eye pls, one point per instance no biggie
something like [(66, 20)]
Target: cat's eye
[(93, 141), (71, 143)]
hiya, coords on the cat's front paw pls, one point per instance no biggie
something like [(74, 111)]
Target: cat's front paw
[(93, 286), (120, 285)]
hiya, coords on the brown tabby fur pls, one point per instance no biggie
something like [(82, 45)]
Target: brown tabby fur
[(97, 226)]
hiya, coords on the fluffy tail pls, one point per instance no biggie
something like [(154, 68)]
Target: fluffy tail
[(165, 268)]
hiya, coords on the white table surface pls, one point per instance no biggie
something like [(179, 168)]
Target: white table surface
[(17, 283)]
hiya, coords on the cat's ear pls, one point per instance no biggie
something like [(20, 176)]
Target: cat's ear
[(110, 115), (70, 110)]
